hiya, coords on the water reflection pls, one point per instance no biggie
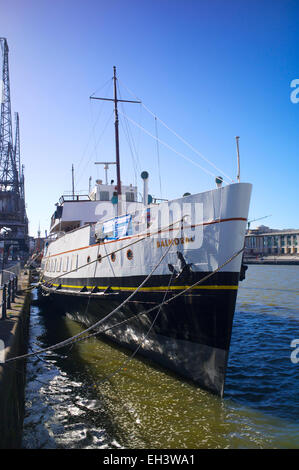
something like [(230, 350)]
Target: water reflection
[(69, 405)]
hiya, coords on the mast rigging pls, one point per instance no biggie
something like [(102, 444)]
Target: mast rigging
[(116, 126)]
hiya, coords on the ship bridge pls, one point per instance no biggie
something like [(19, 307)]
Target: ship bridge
[(102, 203)]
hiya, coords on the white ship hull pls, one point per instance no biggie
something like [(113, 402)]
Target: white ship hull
[(191, 335)]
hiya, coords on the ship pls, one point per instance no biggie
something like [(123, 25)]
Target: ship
[(158, 277)]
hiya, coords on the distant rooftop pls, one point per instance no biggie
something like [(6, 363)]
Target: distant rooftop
[(264, 230)]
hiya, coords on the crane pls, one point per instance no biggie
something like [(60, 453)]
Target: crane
[(12, 208), (254, 220)]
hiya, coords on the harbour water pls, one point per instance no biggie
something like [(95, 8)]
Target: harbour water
[(74, 399)]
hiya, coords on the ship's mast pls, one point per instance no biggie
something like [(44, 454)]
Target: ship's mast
[(116, 134), (116, 100)]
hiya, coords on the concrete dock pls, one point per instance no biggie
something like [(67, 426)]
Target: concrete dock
[(13, 342)]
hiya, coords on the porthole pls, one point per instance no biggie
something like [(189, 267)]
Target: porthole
[(130, 254), (113, 257), (99, 258), (88, 259)]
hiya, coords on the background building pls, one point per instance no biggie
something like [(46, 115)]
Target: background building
[(266, 241)]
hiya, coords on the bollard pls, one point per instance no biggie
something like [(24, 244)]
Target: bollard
[(8, 303), (4, 303), (13, 291)]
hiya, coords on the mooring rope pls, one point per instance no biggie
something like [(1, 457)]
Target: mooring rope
[(146, 236), (79, 336), (144, 312), (129, 359), (69, 340)]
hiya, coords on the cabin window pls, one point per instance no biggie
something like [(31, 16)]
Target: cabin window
[(88, 259), (104, 196), (58, 267), (113, 257), (99, 258), (130, 196), (65, 264), (74, 262)]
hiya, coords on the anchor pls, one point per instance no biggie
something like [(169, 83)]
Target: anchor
[(185, 272)]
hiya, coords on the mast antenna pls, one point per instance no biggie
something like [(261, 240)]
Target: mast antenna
[(116, 101), (73, 182), (238, 156), (106, 168)]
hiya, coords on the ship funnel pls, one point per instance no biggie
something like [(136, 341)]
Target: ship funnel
[(144, 176)]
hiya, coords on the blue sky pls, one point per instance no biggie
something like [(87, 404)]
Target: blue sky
[(209, 69)]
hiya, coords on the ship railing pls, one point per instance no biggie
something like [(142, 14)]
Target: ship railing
[(55, 235), (73, 198)]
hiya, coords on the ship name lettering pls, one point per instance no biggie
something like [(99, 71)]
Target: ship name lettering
[(174, 241)]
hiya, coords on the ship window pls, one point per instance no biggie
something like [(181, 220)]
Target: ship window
[(104, 195), (130, 196), (88, 259), (99, 258), (130, 254), (113, 257), (65, 264), (74, 262)]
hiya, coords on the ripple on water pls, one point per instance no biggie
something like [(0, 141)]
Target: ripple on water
[(69, 406)]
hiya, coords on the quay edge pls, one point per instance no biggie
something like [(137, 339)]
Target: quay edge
[(273, 260), (14, 333)]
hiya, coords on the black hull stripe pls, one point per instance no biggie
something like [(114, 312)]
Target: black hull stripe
[(191, 335)]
